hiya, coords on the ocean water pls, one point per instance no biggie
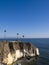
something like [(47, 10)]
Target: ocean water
[(42, 44)]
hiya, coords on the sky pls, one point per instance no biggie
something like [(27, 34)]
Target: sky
[(28, 17)]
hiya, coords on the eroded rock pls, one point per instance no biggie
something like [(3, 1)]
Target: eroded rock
[(12, 51)]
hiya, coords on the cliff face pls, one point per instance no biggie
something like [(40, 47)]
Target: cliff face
[(12, 51)]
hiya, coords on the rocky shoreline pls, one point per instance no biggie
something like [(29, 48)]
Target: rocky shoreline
[(11, 51)]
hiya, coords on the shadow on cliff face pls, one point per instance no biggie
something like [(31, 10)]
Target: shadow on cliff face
[(11, 47)]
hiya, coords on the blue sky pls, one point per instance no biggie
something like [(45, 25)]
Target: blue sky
[(28, 17)]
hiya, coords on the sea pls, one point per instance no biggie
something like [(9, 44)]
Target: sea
[(42, 44)]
